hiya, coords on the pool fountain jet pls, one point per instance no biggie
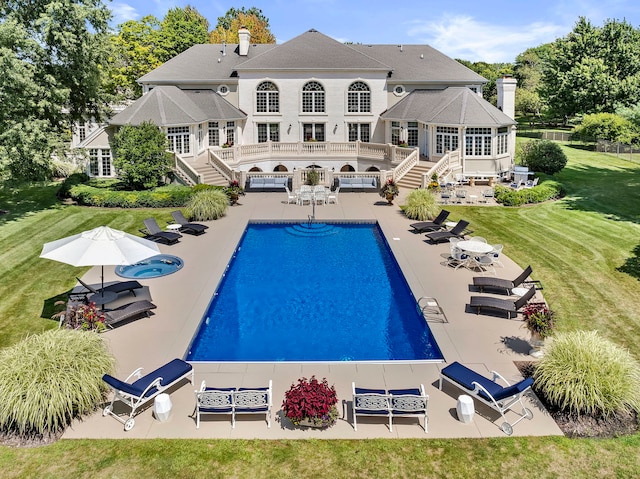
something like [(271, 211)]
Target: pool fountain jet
[(312, 216)]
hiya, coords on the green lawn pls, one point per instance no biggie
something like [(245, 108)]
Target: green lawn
[(585, 248)]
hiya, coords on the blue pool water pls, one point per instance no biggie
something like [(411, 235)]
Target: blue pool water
[(154, 267), (329, 292)]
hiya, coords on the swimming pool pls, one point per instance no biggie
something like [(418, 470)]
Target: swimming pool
[(320, 292), (154, 267)]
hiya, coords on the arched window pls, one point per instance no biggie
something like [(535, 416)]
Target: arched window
[(280, 168), (267, 98), (359, 98), (255, 169), (373, 168), (346, 168), (313, 98)]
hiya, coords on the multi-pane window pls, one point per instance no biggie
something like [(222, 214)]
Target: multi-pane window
[(313, 131), (478, 142), (200, 137), (178, 137), (267, 98), (100, 162), (446, 139), (359, 98), (106, 161), (412, 133), (231, 133), (214, 134), (268, 132), (503, 140), (82, 130), (360, 131), (313, 98), (395, 132)]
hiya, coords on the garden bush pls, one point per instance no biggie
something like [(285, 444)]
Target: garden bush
[(544, 156), (49, 379), (71, 181), (161, 197), (421, 205), (544, 191), (208, 204), (583, 373)]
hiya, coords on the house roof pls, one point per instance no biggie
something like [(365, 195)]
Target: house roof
[(451, 106), (169, 105), (313, 50), (420, 63)]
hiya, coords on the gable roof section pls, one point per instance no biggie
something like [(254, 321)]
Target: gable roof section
[(199, 64), (420, 63), (313, 51), (451, 106), (168, 105)]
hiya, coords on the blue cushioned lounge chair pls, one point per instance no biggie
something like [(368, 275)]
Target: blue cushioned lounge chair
[(137, 392), (489, 392)]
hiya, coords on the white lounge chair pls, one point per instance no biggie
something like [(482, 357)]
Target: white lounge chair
[(143, 389), (489, 392)]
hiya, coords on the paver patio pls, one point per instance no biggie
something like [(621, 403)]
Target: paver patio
[(481, 342)]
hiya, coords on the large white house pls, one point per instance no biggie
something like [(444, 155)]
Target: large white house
[(313, 101)]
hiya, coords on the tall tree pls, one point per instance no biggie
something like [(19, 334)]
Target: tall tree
[(180, 29), (528, 72), (51, 52), (253, 19), (592, 69)]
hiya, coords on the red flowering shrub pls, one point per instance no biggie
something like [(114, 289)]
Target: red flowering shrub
[(312, 400), (82, 316)]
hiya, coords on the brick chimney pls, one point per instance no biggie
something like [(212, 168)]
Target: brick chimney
[(245, 40), (507, 95)]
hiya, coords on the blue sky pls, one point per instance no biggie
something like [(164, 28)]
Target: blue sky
[(489, 30)]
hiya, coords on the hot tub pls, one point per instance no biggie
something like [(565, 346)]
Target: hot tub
[(154, 267)]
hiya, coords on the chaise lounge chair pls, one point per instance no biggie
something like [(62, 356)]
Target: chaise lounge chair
[(142, 390), (483, 282), (154, 233), (128, 311), (489, 392), (391, 403), (85, 289), (458, 231), (508, 306), (234, 401), (436, 224), (186, 227)]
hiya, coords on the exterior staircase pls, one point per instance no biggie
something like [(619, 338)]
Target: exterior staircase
[(413, 179), (210, 175)]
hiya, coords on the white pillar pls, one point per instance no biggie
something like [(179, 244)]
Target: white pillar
[(507, 95)]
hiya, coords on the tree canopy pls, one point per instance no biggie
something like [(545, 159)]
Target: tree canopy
[(253, 19), (592, 69), (492, 72), (51, 53)]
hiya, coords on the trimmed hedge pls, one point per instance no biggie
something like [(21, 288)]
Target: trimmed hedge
[(161, 197), (545, 191)]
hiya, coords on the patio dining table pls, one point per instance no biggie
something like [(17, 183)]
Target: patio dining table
[(475, 247)]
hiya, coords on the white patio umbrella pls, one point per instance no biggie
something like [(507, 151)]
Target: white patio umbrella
[(98, 247)]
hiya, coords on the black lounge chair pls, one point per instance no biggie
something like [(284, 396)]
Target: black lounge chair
[(456, 232), (154, 233), (509, 306), (186, 227), (128, 311), (436, 224), (483, 282), (85, 289)]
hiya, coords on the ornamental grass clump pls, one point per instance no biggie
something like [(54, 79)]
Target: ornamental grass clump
[(209, 204), (311, 401), (49, 379), (421, 205), (583, 373)]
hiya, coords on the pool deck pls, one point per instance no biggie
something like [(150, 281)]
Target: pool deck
[(481, 342)]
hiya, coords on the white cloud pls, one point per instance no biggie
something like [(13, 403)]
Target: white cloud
[(123, 12), (466, 38)]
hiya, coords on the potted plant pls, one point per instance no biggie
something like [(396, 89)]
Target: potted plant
[(313, 177), (233, 191), (389, 190), (311, 403), (538, 319), (434, 184), (78, 315)]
